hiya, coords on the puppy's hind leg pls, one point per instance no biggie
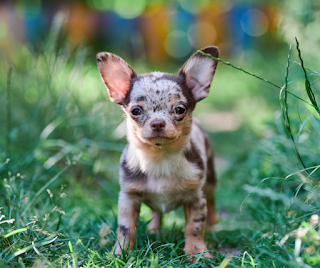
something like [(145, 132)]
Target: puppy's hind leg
[(209, 190), (156, 222), (195, 214)]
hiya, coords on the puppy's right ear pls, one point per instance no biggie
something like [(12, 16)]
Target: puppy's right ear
[(116, 75), (199, 71)]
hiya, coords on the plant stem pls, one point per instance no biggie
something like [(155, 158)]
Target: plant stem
[(8, 154), (238, 68)]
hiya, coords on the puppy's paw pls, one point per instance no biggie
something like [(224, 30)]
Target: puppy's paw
[(199, 250), (154, 231), (117, 249)]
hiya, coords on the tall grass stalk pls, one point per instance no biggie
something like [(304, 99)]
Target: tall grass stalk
[(283, 89), (307, 82), (285, 112), (8, 113), (251, 74)]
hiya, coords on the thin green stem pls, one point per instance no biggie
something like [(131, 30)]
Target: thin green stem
[(43, 188), (307, 82), (252, 74), (238, 68), (8, 154), (285, 112)]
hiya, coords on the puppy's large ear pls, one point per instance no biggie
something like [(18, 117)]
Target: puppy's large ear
[(199, 71), (116, 75)]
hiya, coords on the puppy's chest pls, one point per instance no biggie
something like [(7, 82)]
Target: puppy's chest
[(163, 182), (166, 189), (165, 194), (166, 201)]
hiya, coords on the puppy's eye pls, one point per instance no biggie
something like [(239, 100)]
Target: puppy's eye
[(136, 111), (179, 110)]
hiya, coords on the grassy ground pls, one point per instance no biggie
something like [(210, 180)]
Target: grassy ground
[(62, 139)]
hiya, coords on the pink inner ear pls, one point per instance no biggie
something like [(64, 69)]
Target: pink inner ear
[(116, 74), (118, 78)]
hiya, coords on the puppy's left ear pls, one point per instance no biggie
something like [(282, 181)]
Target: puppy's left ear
[(116, 75), (199, 71)]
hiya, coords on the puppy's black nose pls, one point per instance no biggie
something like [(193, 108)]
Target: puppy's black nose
[(158, 125)]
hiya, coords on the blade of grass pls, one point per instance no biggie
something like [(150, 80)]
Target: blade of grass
[(254, 75), (43, 188), (8, 113), (313, 72), (238, 68), (307, 82), (49, 240), (15, 232), (275, 178), (304, 124), (284, 108), (72, 254)]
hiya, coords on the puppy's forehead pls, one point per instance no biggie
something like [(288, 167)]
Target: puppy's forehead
[(156, 88)]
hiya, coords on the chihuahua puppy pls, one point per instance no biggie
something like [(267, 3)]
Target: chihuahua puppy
[(168, 161)]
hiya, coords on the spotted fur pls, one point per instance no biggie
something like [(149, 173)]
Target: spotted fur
[(168, 161)]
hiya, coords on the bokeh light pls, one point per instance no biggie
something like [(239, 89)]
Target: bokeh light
[(31, 95), (194, 7), (129, 9), (254, 22), (100, 4), (201, 34), (3, 30), (177, 44)]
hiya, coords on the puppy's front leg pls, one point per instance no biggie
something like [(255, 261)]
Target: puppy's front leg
[(128, 215), (196, 213)]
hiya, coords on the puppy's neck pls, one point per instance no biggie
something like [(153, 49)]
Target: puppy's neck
[(157, 161)]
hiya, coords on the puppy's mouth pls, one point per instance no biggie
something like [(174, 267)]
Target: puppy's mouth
[(160, 140)]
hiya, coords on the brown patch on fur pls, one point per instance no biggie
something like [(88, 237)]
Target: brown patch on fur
[(211, 182), (141, 98), (210, 189), (127, 99), (200, 218), (193, 156), (124, 230), (186, 91), (212, 215), (211, 176), (129, 175), (198, 203)]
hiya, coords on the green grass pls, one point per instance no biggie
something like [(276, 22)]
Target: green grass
[(59, 167)]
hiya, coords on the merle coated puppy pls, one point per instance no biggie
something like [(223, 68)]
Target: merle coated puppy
[(168, 161)]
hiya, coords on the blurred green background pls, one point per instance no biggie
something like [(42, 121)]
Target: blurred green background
[(152, 35), (61, 137)]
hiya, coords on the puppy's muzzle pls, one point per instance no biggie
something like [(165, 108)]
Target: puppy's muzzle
[(158, 125)]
